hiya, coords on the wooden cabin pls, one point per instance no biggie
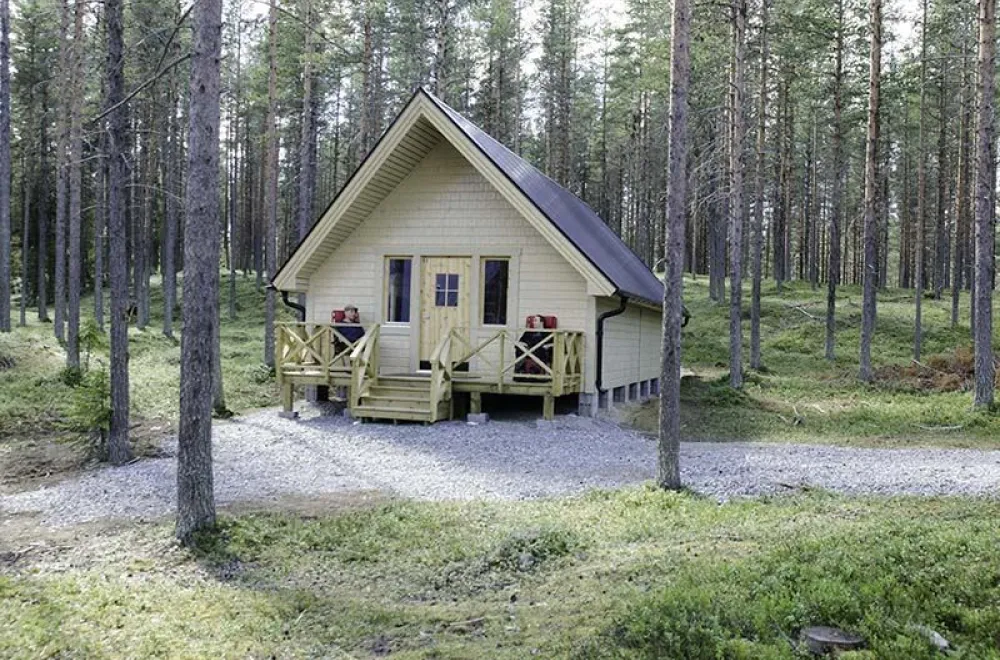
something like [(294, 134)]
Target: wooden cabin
[(449, 244)]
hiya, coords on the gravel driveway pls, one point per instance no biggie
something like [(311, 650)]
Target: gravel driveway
[(261, 458)]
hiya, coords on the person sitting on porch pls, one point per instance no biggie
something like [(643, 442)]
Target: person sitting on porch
[(347, 324), (533, 358), (351, 327)]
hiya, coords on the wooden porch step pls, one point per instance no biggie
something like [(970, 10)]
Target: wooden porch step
[(396, 403), (394, 413), (408, 382)]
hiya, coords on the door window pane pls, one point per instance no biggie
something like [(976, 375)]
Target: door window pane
[(495, 279), (398, 291), (446, 290)]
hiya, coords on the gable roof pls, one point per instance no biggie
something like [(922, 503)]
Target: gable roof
[(571, 215), (562, 218)]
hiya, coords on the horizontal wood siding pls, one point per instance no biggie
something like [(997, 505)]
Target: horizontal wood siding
[(446, 207), (631, 344)]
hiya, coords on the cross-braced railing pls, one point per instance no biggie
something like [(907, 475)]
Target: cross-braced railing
[(529, 356), (307, 348), (364, 365)]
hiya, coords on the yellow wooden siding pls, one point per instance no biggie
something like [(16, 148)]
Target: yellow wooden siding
[(446, 208), (631, 344)]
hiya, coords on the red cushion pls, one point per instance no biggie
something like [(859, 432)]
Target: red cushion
[(337, 316), (548, 322)]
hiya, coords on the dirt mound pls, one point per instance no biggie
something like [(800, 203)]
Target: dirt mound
[(945, 372)]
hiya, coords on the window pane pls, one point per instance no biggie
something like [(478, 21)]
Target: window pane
[(453, 299), (439, 298), (495, 276), (453, 282), (440, 280), (398, 291)]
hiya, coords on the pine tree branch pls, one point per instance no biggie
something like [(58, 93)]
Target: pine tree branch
[(149, 81)]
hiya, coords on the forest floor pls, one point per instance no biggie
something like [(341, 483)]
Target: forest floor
[(627, 573), (799, 396), (40, 436), (632, 573)]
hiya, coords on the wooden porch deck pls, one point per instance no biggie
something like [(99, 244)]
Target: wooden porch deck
[(500, 363)]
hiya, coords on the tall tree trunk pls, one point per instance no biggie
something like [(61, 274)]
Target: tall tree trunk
[(100, 227), (119, 450), (985, 182), (233, 182), (668, 473), (961, 195), (307, 170), (870, 276), (5, 174), (43, 248), (271, 180), (738, 136), (62, 174), (170, 181), (918, 333), (195, 494), (813, 207), (26, 192), (758, 212), (942, 251), (75, 190), (836, 201)]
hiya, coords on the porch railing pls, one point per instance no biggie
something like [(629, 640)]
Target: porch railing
[(503, 358), (302, 348), (364, 365), (442, 371)]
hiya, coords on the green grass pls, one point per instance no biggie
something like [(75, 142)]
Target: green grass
[(632, 574), (800, 396), (34, 399)]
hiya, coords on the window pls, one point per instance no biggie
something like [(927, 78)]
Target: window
[(495, 277), (446, 290), (398, 291)]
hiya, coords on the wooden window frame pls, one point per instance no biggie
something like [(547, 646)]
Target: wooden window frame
[(386, 282), (482, 290)]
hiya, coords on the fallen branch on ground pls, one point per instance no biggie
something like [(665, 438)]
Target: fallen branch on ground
[(799, 309)]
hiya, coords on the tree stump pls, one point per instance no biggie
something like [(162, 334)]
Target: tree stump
[(821, 640)]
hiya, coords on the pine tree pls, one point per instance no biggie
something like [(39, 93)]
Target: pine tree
[(195, 494)]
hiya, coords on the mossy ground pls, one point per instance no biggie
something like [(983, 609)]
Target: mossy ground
[(800, 396), (637, 573), (37, 433)]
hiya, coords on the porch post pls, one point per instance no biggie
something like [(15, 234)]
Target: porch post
[(549, 407)]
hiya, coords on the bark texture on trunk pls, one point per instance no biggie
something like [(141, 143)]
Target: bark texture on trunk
[(271, 182), (985, 178), (870, 274), (171, 158), (62, 176), (119, 450), (836, 201), (918, 330), (668, 472), (75, 191), (737, 137), (5, 252), (758, 212), (195, 494)]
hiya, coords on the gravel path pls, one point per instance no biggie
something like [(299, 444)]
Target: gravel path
[(262, 458)]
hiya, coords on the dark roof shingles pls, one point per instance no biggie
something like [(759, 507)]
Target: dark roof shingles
[(577, 221)]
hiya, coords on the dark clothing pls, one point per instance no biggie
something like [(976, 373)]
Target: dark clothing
[(529, 365), (352, 332)]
